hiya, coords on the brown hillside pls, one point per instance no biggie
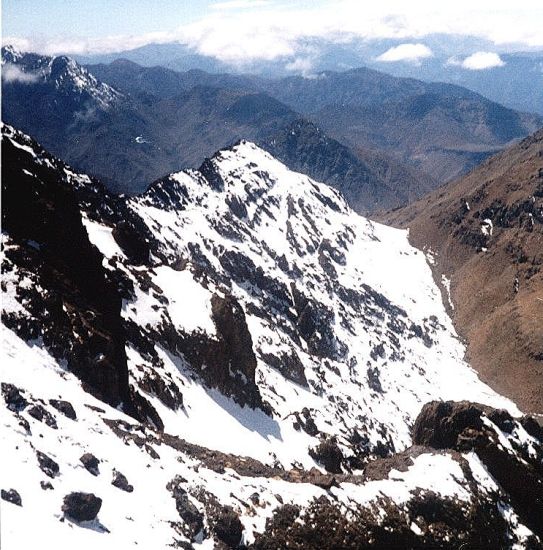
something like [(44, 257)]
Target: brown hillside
[(495, 267)]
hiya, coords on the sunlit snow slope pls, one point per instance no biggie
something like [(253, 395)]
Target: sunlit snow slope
[(238, 341), (346, 304)]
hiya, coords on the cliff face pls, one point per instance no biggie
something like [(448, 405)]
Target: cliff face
[(72, 305)]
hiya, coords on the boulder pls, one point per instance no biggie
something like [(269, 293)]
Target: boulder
[(227, 527), (81, 506), (329, 455), (13, 398), (91, 463), (11, 495), (120, 481), (39, 412), (440, 424), (65, 407), (47, 465)]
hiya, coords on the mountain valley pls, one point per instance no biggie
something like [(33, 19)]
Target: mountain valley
[(484, 234), (382, 148)]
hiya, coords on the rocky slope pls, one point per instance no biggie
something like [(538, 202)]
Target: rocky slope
[(484, 234), (241, 367)]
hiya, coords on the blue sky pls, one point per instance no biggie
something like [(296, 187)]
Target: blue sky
[(251, 30), (97, 17)]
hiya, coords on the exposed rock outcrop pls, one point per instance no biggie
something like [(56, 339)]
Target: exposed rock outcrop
[(467, 426)]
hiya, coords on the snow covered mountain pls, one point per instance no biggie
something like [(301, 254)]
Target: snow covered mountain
[(236, 359), (62, 73)]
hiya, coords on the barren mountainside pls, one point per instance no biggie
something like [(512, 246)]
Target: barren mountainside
[(485, 235)]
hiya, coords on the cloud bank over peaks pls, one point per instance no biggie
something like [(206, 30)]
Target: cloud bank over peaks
[(241, 32)]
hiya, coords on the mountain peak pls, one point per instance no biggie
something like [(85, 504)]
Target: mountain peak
[(63, 73), (10, 54)]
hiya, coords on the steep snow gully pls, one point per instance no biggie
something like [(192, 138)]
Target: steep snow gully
[(236, 359)]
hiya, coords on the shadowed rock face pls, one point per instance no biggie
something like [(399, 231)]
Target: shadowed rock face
[(41, 209), (225, 361), (235, 348), (75, 307), (193, 519), (227, 527)]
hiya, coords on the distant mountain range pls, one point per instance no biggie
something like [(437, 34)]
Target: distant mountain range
[(442, 129), (130, 139), (516, 82), (382, 141)]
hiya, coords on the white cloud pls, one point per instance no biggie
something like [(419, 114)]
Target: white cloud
[(482, 60), (243, 31), (254, 40), (81, 46), (301, 65), (12, 73), (412, 53)]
